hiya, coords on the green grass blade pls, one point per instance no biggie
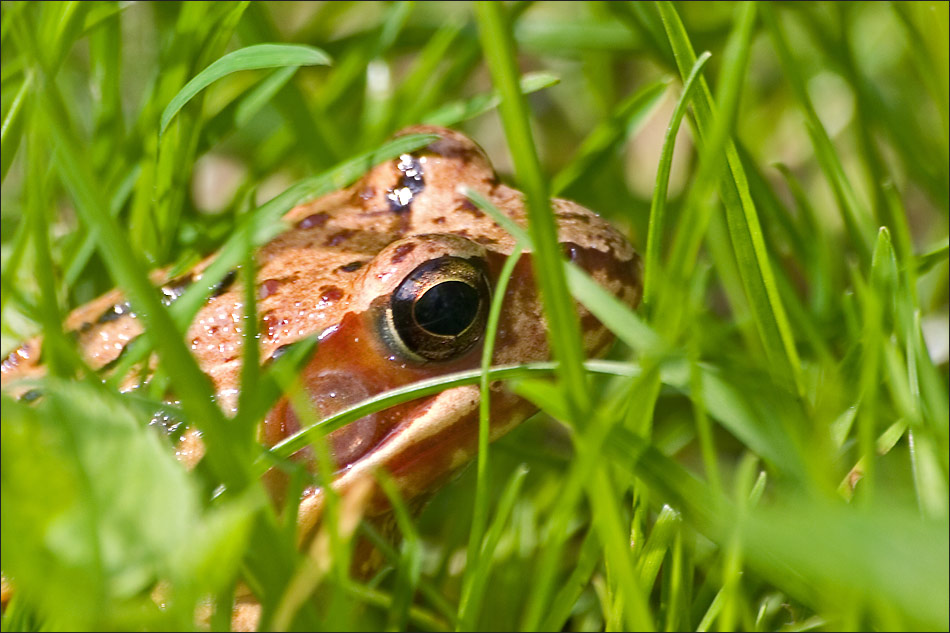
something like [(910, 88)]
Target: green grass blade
[(248, 58), (10, 132), (754, 265), (658, 202), (472, 597), (607, 135), (458, 111), (192, 386), (261, 94), (430, 386), (473, 570), (424, 67), (563, 326), (567, 597), (855, 217)]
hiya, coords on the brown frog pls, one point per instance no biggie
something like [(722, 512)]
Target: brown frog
[(395, 275)]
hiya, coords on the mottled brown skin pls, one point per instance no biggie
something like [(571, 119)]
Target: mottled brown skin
[(333, 272)]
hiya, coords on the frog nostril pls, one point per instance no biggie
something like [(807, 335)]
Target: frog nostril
[(352, 266), (571, 251)]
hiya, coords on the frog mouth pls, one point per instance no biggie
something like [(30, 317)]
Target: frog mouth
[(348, 368), (430, 440)]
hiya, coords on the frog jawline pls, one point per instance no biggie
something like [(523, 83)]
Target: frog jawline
[(421, 454)]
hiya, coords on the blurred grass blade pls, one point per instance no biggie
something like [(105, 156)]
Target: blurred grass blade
[(248, 58), (563, 326), (11, 129), (458, 111), (856, 218), (264, 223), (754, 266), (262, 93), (658, 202), (633, 111), (933, 257)]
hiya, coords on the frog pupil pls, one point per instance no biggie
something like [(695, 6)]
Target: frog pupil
[(447, 309)]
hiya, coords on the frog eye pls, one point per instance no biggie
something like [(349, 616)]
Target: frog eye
[(439, 310)]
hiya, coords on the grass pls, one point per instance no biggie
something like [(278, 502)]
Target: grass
[(765, 448)]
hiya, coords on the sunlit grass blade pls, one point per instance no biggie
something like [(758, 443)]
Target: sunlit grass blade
[(248, 58), (658, 202), (563, 327), (747, 241), (265, 223), (668, 522), (430, 386), (191, 385)]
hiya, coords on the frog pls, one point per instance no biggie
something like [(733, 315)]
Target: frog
[(394, 275)]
